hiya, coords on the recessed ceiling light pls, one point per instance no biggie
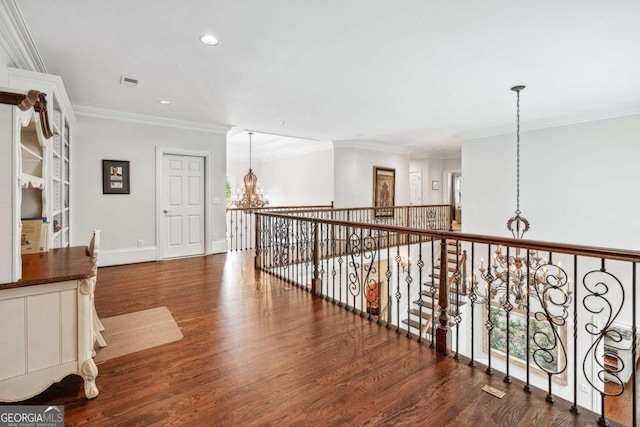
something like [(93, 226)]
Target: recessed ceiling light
[(165, 102), (209, 40), (282, 123)]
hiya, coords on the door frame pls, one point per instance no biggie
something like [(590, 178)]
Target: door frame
[(160, 232), (419, 173), (446, 188)]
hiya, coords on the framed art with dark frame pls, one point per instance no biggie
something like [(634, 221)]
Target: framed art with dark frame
[(384, 189), (115, 177), (518, 345)]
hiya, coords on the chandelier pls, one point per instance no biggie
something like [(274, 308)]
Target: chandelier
[(251, 195), (517, 274), (521, 279)]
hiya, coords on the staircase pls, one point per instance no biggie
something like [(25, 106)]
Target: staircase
[(422, 319)]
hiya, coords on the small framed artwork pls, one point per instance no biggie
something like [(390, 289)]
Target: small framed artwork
[(384, 188), (435, 185), (115, 177)]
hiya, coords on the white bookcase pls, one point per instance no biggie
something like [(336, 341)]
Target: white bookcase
[(60, 153), (42, 166)]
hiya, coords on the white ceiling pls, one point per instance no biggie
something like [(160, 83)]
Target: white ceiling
[(420, 74)]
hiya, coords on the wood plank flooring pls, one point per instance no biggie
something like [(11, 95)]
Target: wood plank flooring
[(259, 352)]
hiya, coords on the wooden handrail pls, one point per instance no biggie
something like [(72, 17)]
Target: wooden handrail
[(32, 99), (538, 245), (329, 208)]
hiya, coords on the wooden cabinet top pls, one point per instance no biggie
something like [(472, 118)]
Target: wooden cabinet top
[(57, 265)]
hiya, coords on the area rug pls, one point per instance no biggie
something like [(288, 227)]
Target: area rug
[(137, 331)]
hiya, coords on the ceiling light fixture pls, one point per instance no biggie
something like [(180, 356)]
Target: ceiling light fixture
[(250, 195), (209, 40), (521, 278), (165, 102)]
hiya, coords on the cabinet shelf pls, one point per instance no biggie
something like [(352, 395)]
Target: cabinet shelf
[(25, 180), (55, 127), (29, 154)]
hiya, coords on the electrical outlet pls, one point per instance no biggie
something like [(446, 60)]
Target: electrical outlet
[(215, 236), (140, 243), (216, 201), (583, 388)]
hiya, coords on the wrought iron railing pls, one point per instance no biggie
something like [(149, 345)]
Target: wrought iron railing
[(241, 223), (565, 314)]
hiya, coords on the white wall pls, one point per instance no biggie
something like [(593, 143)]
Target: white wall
[(432, 170), (353, 175), (124, 219), (578, 183), (305, 179)]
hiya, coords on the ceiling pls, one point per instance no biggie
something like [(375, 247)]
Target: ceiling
[(418, 74)]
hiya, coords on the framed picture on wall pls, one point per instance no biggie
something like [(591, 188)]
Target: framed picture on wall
[(435, 185), (384, 189), (115, 177), (540, 361)]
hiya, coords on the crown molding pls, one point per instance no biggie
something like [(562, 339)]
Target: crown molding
[(448, 155), (16, 38), (372, 145), (147, 119), (294, 151), (554, 121), (60, 92)]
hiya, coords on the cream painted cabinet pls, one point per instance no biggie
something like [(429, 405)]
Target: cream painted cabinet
[(42, 167), (45, 335), (56, 156)]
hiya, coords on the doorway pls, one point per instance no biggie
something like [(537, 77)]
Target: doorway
[(415, 189), (182, 198)]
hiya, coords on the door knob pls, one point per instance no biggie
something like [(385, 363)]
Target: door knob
[(166, 211)]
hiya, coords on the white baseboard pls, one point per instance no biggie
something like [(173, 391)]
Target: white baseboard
[(148, 253), (219, 246), (127, 256)]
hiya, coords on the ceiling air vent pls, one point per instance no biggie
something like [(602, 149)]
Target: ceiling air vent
[(128, 81)]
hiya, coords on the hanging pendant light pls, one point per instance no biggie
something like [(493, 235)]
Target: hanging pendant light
[(518, 225), (251, 195)]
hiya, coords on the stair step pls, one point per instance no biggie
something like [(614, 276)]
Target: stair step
[(426, 304), (450, 269), (452, 288), (414, 323), (452, 299), (425, 314)]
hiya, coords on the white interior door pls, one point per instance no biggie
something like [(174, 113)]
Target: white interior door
[(415, 181), (183, 206)]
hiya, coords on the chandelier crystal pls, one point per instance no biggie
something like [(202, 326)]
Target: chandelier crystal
[(251, 195)]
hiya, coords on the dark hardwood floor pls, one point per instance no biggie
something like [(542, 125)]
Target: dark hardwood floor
[(259, 352)]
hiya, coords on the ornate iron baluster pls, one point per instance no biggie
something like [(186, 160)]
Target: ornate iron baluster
[(598, 284), (420, 300), (551, 288)]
